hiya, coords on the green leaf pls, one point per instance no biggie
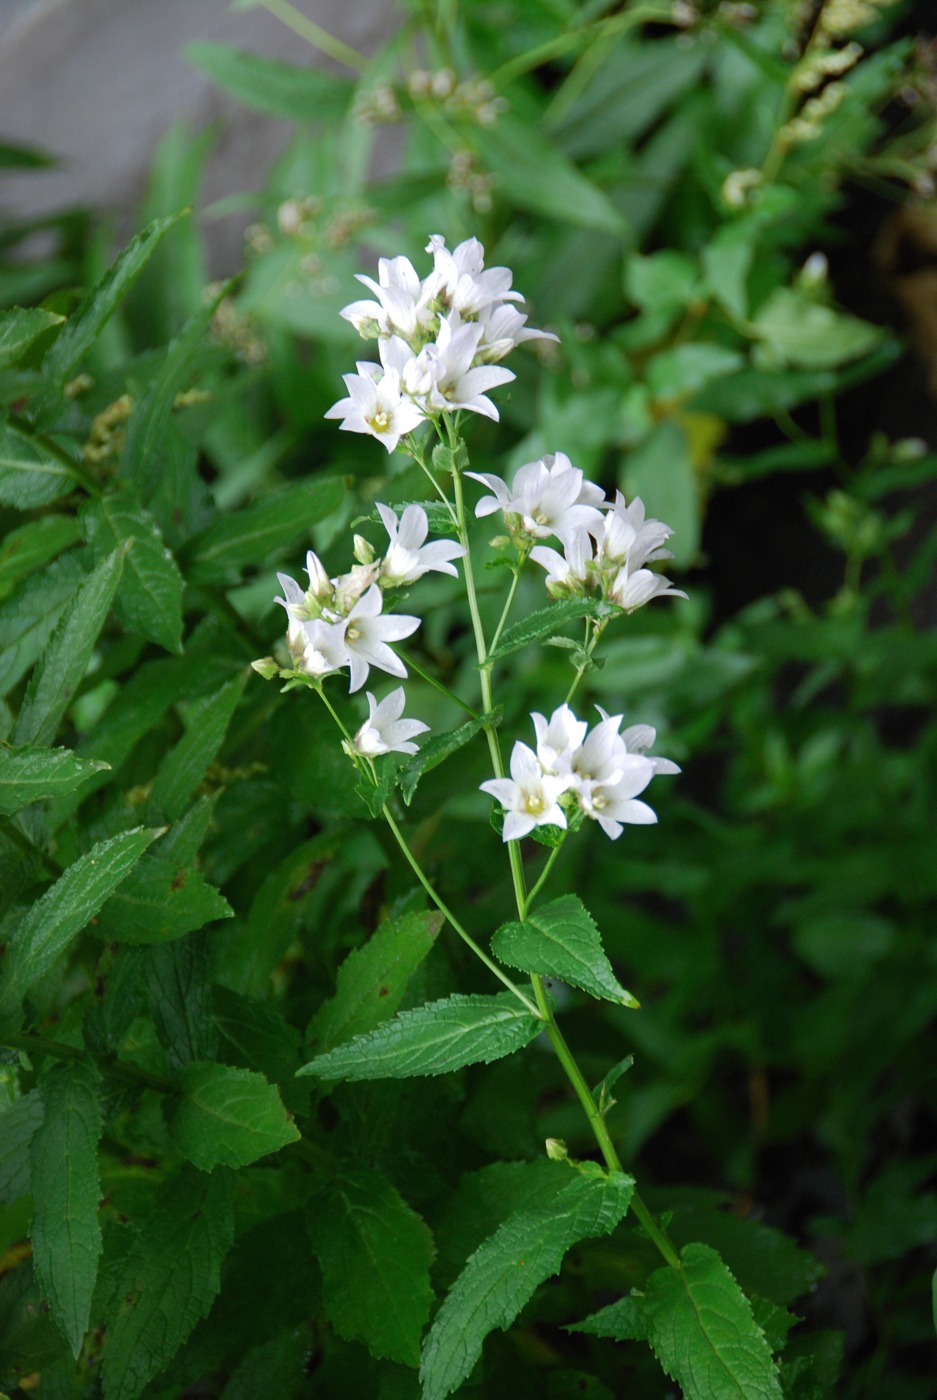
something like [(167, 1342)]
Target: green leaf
[(65, 909), (561, 940), (178, 978), (161, 900), (372, 980), (87, 321), (65, 660), (804, 333), (18, 330), (685, 369), (533, 173), (433, 1039), (504, 1272), (266, 84), (250, 536), (700, 1327), (228, 1117), (18, 1125), (257, 1037), (439, 748), (29, 617), (727, 260), (31, 474), (623, 1320), (168, 1280), (66, 1189), (34, 775), (34, 544), (661, 472), (375, 1253), (184, 766), (538, 625), (149, 599)]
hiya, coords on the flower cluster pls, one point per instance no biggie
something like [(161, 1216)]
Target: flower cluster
[(440, 339), (607, 545), (339, 622), (599, 772)]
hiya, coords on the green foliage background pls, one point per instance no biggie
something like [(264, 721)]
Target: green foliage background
[(194, 899)]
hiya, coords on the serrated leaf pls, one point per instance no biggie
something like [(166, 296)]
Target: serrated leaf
[(543, 623), (18, 1125), (33, 775), (65, 909), (65, 660), (250, 536), (169, 1279), (149, 599), (184, 766), (257, 1036), (228, 1117), (66, 1190), (433, 1039), (161, 900), (439, 748), (178, 985), (30, 474), (29, 617), (85, 323), (375, 1253), (372, 980), (34, 544), (19, 328), (561, 940), (268, 85), (623, 1320), (700, 1327), (504, 1272)]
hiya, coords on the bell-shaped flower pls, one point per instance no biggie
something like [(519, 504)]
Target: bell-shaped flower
[(559, 738), (504, 328), (375, 405), (318, 648), (627, 538), (408, 557), (568, 574), (443, 374), (550, 497), (630, 591), (367, 633), (402, 303), (613, 805), (461, 282), (385, 731), (306, 603), (529, 797)]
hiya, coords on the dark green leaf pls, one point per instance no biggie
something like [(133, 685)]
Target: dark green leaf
[(433, 1039), (532, 173), (34, 544), (435, 752), (18, 1125), (372, 980), (66, 1190), (31, 474), (257, 1036), (279, 89), (701, 1328), (561, 940), (161, 900), (252, 535), (29, 617), (33, 775), (375, 1253), (502, 1275), (18, 330), (228, 1117), (149, 599), (543, 623), (178, 984), (184, 766), (624, 1321)]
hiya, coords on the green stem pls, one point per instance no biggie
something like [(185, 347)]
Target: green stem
[(551, 860), (24, 429), (314, 34), (41, 1045), (598, 628), (437, 684), (506, 609), (420, 460)]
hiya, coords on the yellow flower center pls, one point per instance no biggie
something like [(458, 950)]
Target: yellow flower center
[(380, 421)]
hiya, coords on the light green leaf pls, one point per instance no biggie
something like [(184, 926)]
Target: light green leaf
[(623, 1320), (86, 322), (34, 775), (266, 84), (34, 544), (666, 281), (375, 1253), (30, 474), (809, 335), (685, 369), (727, 259), (30, 615), (660, 471), (169, 1279), (159, 901), (18, 330), (701, 1328), (439, 748), (65, 660), (65, 909), (561, 940), (543, 623), (149, 599), (66, 1189), (228, 1117), (184, 766), (372, 979), (433, 1039), (18, 1125), (250, 536), (531, 172), (503, 1274)]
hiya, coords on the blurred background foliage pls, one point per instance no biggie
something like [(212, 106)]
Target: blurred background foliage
[(727, 214)]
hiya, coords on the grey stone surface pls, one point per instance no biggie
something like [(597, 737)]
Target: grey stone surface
[(99, 82)]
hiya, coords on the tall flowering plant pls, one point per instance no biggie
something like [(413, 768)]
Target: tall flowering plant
[(440, 343)]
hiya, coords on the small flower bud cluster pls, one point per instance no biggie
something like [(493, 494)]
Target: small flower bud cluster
[(598, 772), (473, 99), (606, 544), (439, 341)]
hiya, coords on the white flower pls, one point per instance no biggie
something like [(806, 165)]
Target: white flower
[(384, 731), (460, 282), (401, 307), (558, 739), (306, 603), (407, 557), (550, 496), (570, 572), (367, 634), (630, 591), (375, 405), (612, 769), (349, 587), (613, 804), (628, 538), (504, 328), (443, 374), (317, 648), (529, 796)]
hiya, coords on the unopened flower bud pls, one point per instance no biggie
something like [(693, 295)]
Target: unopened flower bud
[(363, 551), (266, 666), (557, 1150)]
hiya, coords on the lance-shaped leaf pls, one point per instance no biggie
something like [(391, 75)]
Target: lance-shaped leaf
[(623, 1320), (228, 1117), (33, 775), (31, 474), (184, 767), (433, 1039), (561, 940), (375, 1253), (503, 1273), (149, 599), (250, 536), (543, 623), (65, 908), (168, 1280), (65, 660), (34, 544), (31, 614), (279, 89), (435, 752), (701, 1328), (66, 1190), (161, 901), (372, 980), (18, 1125), (18, 330)]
